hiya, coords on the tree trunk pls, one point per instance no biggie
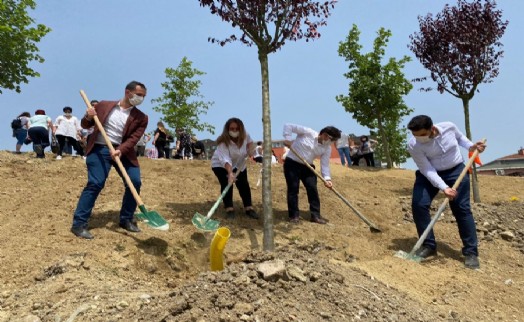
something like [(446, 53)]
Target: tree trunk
[(268, 239), (385, 143), (474, 182)]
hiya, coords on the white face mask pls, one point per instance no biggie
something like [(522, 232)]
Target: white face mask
[(67, 114), (423, 139), (136, 100), (233, 134)]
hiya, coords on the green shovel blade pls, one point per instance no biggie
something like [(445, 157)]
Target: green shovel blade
[(408, 256), (203, 223), (152, 218)]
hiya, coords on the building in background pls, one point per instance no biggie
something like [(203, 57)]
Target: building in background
[(510, 165)]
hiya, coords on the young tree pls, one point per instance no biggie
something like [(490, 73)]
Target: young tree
[(18, 38), (460, 47), (376, 90), (269, 24), (180, 104)]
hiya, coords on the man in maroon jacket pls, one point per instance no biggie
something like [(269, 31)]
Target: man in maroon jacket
[(124, 124)]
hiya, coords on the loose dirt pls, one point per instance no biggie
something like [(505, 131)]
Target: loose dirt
[(335, 272)]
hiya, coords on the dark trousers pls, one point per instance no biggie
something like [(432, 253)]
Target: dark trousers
[(99, 163), (242, 185), (40, 137), (370, 160), (294, 173), (73, 142), (424, 193), (160, 149)]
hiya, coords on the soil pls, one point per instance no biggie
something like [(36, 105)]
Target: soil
[(336, 272)]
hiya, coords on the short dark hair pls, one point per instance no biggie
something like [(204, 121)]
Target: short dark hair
[(93, 102), (133, 84), (67, 108), (332, 132), (259, 143), (420, 122)]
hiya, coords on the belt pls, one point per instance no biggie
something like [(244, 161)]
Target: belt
[(113, 144)]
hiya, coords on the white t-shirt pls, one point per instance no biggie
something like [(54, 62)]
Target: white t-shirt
[(67, 127)]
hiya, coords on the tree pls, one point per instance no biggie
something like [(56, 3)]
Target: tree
[(375, 91), (269, 24), (180, 104), (460, 47), (18, 38)]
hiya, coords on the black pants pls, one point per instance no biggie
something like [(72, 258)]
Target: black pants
[(242, 185), (72, 142), (294, 173), (370, 160), (160, 149)]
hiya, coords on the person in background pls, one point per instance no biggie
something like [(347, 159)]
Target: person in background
[(140, 147), (354, 152), (343, 149), (39, 126), (310, 145), (67, 127), (21, 133), (274, 159), (160, 139), (124, 125), (233, 147), (198, 149), (258, 152), (435, 148), (366, 150), (183, 144), (93, 103)]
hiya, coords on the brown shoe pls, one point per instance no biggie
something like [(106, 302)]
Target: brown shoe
[(318, 220), (294, 220)]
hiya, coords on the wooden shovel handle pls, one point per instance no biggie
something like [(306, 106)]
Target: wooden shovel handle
[(112, 149)]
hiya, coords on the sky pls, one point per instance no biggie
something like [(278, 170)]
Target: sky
[(99, 46)]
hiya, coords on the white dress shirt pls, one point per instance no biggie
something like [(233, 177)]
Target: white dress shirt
[(114, 125), (231, 154), (441, 153), (306, 144), (67, 127)]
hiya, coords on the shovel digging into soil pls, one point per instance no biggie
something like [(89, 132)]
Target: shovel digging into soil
[(372, 227), (411, 255), (152, 218)]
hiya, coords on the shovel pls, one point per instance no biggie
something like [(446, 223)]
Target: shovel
[(372, 227), (205, 223), (151, 218), (411, 255)]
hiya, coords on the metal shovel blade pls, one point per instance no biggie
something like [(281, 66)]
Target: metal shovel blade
[(408, 256), (205, 224), (152, 218)]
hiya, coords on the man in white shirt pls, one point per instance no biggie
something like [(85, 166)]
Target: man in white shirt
[(310, 145), (436, 151)]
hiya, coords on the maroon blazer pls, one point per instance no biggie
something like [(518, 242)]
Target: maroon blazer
[(133, 130)]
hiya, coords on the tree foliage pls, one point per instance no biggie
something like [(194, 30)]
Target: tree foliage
[(268, 24), (18, 38), (375, 91), (461, 48), (181, 104)]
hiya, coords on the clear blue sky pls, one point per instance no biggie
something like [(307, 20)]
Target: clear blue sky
[(100, 45)]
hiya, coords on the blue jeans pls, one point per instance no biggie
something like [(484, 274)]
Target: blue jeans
[(424, 192), (99, 164), (344, 155)]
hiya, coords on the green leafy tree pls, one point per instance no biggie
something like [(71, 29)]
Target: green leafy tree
[(375, 91), (460, 48), (268, 24), (18, 39), (181, 104)]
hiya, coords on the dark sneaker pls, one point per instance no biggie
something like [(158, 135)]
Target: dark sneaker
[(230, 214), (294, 220), (81, 232), (318, 220), (251, 214), (472, 262), (130, 226), (425, 252)]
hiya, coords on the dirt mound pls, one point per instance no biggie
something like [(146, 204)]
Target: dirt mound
[(338, 272)]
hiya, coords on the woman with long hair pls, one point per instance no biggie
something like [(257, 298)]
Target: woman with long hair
[(230, 166), (160, 139), (21, 133)]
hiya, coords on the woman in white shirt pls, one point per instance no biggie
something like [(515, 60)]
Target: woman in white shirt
[(67, 127), (230, 158)]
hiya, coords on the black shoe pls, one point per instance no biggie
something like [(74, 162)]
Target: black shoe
[(318, 220), (294, 220), (251, 214), (81, 232), (130, 226), (230, 214), (425, 252), (472, 261)]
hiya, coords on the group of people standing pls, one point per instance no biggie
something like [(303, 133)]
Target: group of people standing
[(435, 148), (351, 154)]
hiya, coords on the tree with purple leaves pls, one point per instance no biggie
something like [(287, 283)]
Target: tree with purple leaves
[(268, 24), (461, 48)]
